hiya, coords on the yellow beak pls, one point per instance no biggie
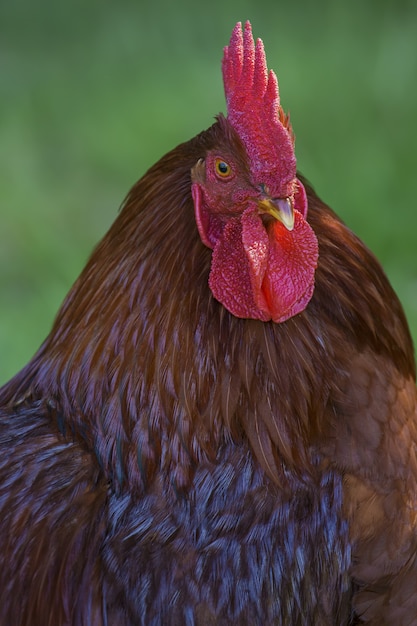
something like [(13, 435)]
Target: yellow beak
[(279, 208)]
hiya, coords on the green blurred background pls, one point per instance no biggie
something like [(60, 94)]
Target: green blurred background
[(93, 92)]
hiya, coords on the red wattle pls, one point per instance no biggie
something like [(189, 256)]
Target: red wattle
[(289, 279), (264, 273)]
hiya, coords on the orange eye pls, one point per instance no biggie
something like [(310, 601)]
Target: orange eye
[(223, 169)]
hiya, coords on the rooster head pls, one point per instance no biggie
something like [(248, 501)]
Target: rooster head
[(249, 205)]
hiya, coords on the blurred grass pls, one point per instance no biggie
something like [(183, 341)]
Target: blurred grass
[(92, 93)]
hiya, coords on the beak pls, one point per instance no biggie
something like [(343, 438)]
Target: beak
[(280, 209)]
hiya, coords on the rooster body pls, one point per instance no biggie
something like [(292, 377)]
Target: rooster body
[(193, 444), (234, 551)]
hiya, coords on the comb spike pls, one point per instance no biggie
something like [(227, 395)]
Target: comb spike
[(261, 70), (233, 60), (248, 56), (272, 92)]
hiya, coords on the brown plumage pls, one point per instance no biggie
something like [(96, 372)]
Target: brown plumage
[(164, 461)]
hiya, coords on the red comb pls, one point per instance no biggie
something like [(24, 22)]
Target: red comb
[(254, 110)]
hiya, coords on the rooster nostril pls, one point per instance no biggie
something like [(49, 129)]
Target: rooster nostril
[(264, 189)]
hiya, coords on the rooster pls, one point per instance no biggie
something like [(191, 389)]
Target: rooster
[(221, 426)]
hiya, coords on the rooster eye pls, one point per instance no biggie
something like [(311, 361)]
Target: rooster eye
[(223, 169)]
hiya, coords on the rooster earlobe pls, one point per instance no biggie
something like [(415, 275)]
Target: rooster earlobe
[(201, 216), (300, 198), (209, 226)]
